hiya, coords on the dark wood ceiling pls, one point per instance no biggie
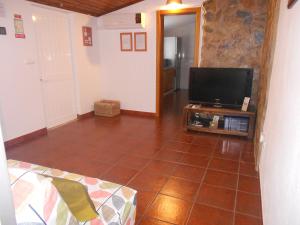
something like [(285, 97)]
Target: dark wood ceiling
[(90, 7)]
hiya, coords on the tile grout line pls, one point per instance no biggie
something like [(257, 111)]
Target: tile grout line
[(210, 156), (249, 215), (229, 210), (139, 170), (156, 195), (197, 166), (113, 165), (137, 174), (201, 183), (168, 177), (236, 191), (231, 189), (203, 154)]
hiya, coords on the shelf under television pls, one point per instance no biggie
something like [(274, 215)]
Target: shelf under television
[(250, 114), (217, 131)]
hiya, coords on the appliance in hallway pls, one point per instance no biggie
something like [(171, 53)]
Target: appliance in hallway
[(172, 58), (179, 51)]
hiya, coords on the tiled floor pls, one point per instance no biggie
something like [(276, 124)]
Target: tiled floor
[(181, 178)]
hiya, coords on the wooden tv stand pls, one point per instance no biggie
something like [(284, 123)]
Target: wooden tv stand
[(190, 111)]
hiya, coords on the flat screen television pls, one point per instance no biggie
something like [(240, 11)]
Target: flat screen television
[(220, 87)]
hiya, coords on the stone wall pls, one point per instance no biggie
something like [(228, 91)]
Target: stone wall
[(233, 35)]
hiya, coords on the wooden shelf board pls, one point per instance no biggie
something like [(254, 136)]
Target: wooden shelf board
[(251, 114), (220, 111), (217, 131)]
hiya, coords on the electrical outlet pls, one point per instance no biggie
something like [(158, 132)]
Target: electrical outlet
[(262, 142), (29, 62), (263, 146), (2, 31)]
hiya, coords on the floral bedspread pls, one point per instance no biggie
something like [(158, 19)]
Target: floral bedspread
[(115, 204)]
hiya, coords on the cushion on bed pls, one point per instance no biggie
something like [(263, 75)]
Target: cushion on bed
[(77, 198), (36, 199)]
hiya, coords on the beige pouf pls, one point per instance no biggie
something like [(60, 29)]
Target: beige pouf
[(107, 108)]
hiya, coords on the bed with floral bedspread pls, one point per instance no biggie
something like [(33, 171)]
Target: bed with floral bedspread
[(114, 203)]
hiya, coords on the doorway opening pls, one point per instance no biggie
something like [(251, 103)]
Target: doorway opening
[(177, 51)]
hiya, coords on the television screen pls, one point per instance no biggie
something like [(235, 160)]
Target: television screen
[(223, 86)]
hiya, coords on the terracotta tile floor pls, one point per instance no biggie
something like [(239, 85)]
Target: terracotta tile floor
[(181, 178)]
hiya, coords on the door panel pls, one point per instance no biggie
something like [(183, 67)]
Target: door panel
[(55, 64)]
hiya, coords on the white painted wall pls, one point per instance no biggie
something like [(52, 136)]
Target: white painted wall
[(131, 76), (280, 162), (20, 90), (7, 211), (86, 62), (21, 107), (187, 34)]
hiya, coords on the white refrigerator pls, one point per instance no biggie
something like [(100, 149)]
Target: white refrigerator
[(173, 56)]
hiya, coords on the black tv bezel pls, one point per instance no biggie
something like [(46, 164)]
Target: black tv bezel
[(222, 105)]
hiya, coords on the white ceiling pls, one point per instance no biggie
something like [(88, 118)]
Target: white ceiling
[(178, 20)]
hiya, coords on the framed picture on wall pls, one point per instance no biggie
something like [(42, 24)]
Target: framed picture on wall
[(87, 36), (140, 41), (291, 3), (126, 42), (19, 28)]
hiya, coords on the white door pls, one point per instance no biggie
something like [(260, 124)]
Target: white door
[(55, 65)]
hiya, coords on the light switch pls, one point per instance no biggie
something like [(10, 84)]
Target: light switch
[(29, 61)]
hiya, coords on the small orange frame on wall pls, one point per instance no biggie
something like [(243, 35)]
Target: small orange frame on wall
[(87, 36), (140, 41), (126, 42)]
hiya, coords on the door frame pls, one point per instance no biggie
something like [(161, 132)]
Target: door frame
[(160, 14)]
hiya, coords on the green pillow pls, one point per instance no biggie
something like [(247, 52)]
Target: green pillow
[(77, 198)]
